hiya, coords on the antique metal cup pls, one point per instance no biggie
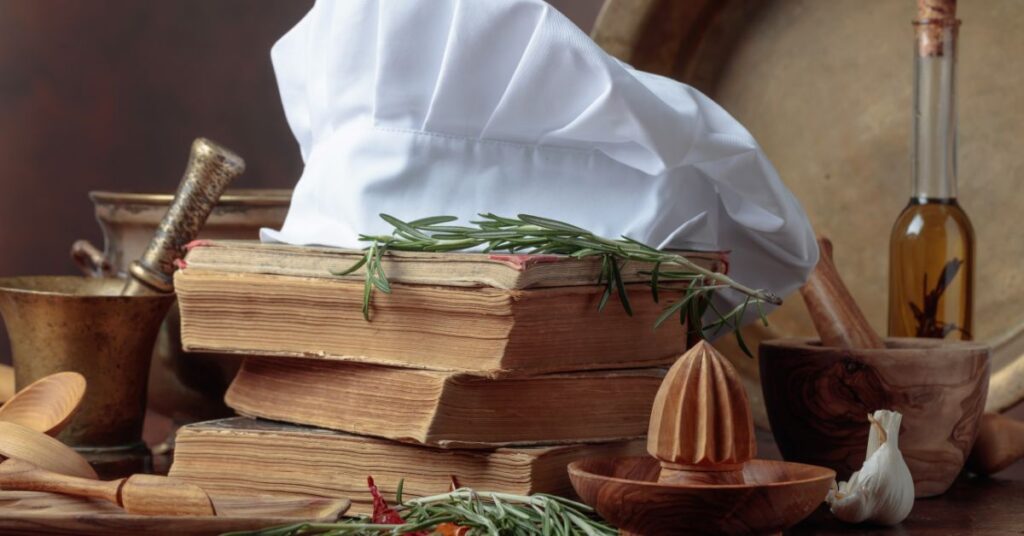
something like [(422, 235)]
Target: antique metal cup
[(81, 324)]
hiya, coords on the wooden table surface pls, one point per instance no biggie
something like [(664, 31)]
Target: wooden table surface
[(983, 506)]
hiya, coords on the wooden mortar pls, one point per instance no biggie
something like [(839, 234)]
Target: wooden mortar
[(818, 399), (818, 393)]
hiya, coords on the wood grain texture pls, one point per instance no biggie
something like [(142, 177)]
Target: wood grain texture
[(42, 450), (701, 428), (625, 491), (47, 404), (1000, 443), (38, 513), (835, 314), (818, 399)]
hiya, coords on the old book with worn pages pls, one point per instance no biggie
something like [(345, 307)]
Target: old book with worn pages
[(256, 456), (447, 409), (468, 312)]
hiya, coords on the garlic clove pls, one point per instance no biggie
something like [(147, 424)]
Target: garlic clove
[(882, 491)]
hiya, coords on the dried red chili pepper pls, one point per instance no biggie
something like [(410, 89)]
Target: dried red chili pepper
[(382, 513)]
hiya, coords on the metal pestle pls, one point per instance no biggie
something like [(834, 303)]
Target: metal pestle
[(210, 168)]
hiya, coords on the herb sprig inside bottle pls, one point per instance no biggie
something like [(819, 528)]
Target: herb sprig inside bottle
[(536, 235)]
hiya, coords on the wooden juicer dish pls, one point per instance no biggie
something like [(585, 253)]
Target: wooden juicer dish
[(702, 478)]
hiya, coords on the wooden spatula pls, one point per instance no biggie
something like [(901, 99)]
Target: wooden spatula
[(137, 494)]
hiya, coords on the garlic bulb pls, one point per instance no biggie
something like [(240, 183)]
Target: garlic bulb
[(882, 491)]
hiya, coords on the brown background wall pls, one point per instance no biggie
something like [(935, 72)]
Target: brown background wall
[(108, 95)]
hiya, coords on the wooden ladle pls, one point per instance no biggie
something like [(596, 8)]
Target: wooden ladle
[(46, 405), (137, 494)]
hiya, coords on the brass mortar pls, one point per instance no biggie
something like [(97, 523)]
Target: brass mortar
[(81, 324)]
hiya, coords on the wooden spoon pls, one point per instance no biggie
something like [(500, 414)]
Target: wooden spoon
[(46, 405), (16, 441), (6, 383), (137, 494)]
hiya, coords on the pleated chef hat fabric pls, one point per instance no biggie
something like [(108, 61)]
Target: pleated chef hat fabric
[(456, 107)]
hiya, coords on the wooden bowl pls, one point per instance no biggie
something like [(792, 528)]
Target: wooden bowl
[(818, 399), (626, 492)]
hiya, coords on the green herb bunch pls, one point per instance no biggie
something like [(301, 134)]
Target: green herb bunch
[(537, 235), (482, 513)]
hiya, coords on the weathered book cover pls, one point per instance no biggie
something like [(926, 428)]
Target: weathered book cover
[(466, 312), (256, 456), (448, 410)]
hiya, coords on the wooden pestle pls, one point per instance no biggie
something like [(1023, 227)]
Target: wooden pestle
[(840, 323), (137, 494), (210, 169)]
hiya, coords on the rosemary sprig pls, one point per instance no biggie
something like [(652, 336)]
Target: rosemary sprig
[(537, 235), (489, 513)]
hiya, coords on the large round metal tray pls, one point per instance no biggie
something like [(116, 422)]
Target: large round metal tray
[(825, 87)]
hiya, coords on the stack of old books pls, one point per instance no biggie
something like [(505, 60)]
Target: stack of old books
[(496, 369)]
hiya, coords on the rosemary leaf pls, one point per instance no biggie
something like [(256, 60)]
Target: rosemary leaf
[(654, 283), (404, 227), (357, 265), (432, 220), (621, 287), (551, 224)]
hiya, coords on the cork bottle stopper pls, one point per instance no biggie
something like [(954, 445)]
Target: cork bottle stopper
[(936, 9), (701, 427), (933, 16)]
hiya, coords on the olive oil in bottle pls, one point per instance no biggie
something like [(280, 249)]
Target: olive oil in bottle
[(931, 249)]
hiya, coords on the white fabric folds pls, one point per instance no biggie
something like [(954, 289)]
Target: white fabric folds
[(457, 107)]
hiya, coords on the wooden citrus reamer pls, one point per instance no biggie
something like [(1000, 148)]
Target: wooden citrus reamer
[(701, 428), (702, 477)]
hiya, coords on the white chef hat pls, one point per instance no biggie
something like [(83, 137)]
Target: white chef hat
[(457, 107)]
